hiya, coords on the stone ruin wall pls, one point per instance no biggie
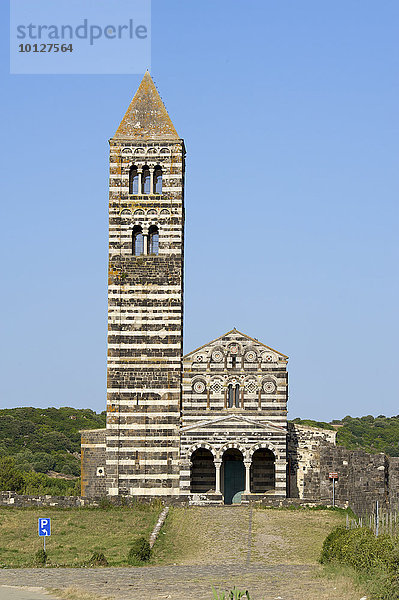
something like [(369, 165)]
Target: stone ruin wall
[(93, 457), (393, 482), (303, 451), (363, 478)]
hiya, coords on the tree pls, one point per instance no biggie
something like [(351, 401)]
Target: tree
[(10, 478)]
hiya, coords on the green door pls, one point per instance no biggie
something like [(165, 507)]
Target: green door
[(234, 481)]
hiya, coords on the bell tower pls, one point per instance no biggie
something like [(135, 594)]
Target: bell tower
[(145, 300)]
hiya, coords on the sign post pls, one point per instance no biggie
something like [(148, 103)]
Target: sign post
[(44, 530), (333, 476), (377, 519)]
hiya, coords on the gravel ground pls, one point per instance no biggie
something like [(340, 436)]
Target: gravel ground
[(192, 582)]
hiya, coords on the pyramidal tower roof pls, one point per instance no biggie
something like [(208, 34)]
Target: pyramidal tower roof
[(146, 117)]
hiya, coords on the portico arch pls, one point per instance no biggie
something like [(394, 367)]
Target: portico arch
[(201, 445), (262, 471), (202, 472), (267, 446), (233, 475), (233, 445)]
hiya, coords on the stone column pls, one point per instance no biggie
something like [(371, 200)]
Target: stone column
[(151, 180), (145, 244), (218, 464), (139, 190), (247, 465)]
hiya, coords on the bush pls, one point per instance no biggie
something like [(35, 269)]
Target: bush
[(358, 548), (376, 558), (39, 483), (139, 552), (105, 503), (41, 557), (97, 560)]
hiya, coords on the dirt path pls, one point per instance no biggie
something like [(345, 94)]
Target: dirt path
[(205, 547), (18, 593)]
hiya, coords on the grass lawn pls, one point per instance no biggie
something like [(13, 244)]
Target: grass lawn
[(75, 534), (292, 536)]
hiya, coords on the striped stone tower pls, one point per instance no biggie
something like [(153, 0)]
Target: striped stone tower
[(145, 300)]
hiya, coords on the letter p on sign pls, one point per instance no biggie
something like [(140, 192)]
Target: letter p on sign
[(44, 527)]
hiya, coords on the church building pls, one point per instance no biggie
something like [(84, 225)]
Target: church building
[(208, 427)]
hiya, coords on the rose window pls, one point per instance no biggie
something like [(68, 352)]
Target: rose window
[(217, 356), (199, 387), (269, 387)]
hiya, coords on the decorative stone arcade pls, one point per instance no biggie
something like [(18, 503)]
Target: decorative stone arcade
[(230, 476)]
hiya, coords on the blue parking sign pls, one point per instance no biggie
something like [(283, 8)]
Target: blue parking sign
[(44, 527)]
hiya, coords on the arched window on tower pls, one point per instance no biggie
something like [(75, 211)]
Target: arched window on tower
[(137, 241), (158, 180), (133, 180), (145, 181), (153, 240)]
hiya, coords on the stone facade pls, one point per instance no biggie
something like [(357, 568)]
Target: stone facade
[(234, 397)]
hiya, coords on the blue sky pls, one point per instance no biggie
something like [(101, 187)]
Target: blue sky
[(289, 114)]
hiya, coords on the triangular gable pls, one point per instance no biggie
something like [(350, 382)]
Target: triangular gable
[(231, 418), (146, 117), (244, 335)]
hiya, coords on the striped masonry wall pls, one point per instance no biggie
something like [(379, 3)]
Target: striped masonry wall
[(145, 323)]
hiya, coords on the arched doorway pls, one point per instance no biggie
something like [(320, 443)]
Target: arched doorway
[(203, 472), (233, 476), (262, 471)]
